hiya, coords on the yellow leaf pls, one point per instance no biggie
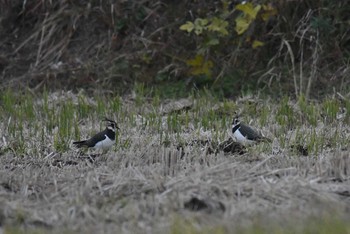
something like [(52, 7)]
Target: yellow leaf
[(188, 26), (225, 4), (257, 43), (249, 9), (225, 9), (146, 58), (201, 22), (200, 25), (218, 25), (242, 24), (268, 11), (198, 60), (200, 66)]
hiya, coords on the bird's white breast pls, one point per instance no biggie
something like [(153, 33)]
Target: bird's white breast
[(105, 144), (240, 138)]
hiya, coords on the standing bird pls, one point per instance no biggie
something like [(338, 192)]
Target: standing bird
[(103, 140), (244, 134)]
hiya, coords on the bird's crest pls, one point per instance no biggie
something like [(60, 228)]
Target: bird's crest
[(109, 120)]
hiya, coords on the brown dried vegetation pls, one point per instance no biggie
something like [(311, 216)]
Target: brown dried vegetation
[(158, 176), (64, 44)]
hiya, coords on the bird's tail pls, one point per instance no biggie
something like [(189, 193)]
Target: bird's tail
[(79, 144)]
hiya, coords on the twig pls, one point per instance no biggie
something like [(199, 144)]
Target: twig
[(41, 41), (291, 54)]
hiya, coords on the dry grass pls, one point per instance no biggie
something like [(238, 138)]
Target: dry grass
[(161, 162)]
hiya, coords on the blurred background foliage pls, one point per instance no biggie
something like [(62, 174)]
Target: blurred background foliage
[(301, 48)]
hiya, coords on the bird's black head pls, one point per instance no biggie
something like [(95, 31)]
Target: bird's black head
[(235, 121), (112, 125)]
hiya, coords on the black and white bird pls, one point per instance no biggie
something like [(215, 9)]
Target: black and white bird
[(103, 140), (244, 134)]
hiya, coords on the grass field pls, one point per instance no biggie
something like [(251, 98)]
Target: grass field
[(170, 171)]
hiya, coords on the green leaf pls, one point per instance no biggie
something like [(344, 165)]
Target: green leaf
[(212, 41)]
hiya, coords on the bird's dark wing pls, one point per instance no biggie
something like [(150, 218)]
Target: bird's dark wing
[(92, 141), (98, 137), (249, 133)]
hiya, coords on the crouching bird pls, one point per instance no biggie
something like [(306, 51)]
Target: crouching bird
[(103, 140), (244, 134)]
